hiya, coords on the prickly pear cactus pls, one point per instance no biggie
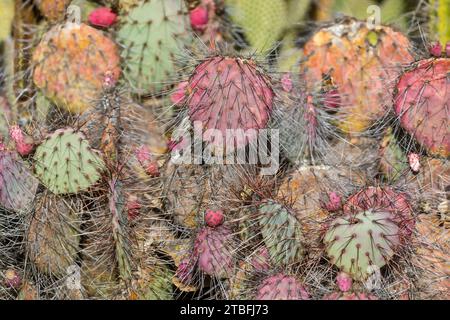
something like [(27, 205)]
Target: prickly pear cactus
[(53, 10), (356, 243), (153, 34), (375, 225), (17, 184), (227, 92), (371, 57), (71, 62), (262, 21), (54, 234), (214, 249), (422, 103), (281, 233), (66, 164), (281, 287), (393, 161)]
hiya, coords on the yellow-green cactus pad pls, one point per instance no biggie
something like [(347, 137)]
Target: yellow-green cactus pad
[(65, 163)]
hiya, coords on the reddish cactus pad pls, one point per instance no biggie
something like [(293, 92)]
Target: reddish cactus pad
[(384, 199), (229, 93), (71, 62), (214, 250), (281, 287), (17, 185), (422, 103)]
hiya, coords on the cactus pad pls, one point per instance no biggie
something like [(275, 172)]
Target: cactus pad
[(53, 236), (214, 250), (229, 93), (262, 21), (17, 184), (281, 233), (422, 103), (370, 57), (65, 163), (71, 62), (153, 34), (281, 287), (356, 243)]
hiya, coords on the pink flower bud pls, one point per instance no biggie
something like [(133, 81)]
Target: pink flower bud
[(436, 49), (199, 18), (214, 218), (102, 17), (24, 143)]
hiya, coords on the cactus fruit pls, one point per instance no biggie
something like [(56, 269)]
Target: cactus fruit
[(65, 163), (227, 92), (375, 225), (153, 34), (24, 143), (214, 249), (374, 54), (70, 64), (54, 234), (53, 10), (421, 103), (17, 184), (281, 233), (281, 287), (214, 218), (199, 18), (102, 17)]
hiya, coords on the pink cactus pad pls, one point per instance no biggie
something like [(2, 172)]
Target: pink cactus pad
[(281, 287), (344, 281), (387, 200), (447, 49), (229, 93), (214, 218), (179, 94), (186, 270), (214, 249), (422, 104), (17, 185), (199, 18), (102, 17)]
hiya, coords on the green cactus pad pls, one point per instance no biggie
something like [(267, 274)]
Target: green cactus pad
[(262, 21), (17, 184), (152, 35), (159, 286), (358, 243), (65, 163), (281, 233)]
